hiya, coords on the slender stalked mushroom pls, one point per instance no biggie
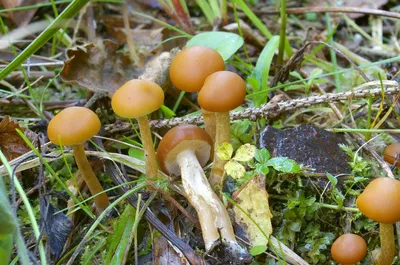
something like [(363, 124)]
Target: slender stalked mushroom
[(222, 92), (380, 202), (392, 154), (183, 151), (349, 249), (136, 99), (72, 127), (188, 71)]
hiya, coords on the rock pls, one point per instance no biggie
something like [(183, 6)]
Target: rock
[(308, 145)]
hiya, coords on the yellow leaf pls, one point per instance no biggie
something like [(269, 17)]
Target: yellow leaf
[(245, 153), (234, 169), (224, 151), (253, 201)]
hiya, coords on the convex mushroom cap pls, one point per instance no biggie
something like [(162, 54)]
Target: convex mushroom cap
[(380, 200), (181, 138), (190, 67), (392, 152), (349, 249), (137, 98), (223, 91), (73, 126)]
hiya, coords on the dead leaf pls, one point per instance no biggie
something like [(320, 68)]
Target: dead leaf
[(11, 143), (99, 68), (165, 254), (252, 200), (23, 17)]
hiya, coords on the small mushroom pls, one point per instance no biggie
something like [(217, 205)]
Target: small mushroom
[(380, 202), (183, 151), (72, 127), (392, 154), (188, 71), (222, 92), (136, 99), (348, 249)]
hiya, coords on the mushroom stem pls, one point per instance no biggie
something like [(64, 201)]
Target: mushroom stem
[(148, 146), (209, 123), (101, 200), (214, 218), (385, 255), (223, 123)]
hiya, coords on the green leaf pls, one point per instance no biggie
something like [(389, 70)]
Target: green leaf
[(242, 132), (245, 153), (262, 169), (224, 43), (234, 169), (224, 151), (168, 113), (6, 247), (262, 155), (284, 164), (332, 179), (136, 153), (295, 226), (7, 224), (257, 250)]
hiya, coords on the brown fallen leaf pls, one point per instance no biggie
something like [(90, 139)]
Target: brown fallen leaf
[(252, 200), (23, 17), (99, 68), (11, 144)]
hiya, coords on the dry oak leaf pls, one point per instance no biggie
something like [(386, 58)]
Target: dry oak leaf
[(99, 68), (23, 17), (11, 144), (252, 200)]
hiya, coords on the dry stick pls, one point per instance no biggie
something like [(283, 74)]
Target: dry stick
[(267, 110), (322, 9)]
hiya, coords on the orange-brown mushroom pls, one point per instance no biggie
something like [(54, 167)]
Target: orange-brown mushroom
[(392, 153), (348, 249), (73, 126), (188, 71), (380, 202), (136, 99), (183, 151), (222, 92)]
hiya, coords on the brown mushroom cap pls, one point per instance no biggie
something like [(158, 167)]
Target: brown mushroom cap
[(193, 65), (181, 138), (391, 153), (222, 91), (137, 98), (349, 249), (380, 200), (74, 125)]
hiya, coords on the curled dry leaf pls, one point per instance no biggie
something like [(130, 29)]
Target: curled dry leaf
[(99, 68), (11, 144), (252, 200), (20, 18)]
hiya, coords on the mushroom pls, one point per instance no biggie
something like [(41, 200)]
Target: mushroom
[(183, 151), (348, 249), (392, 154), (380, 202), (136, 99), (222, 92), (72, 127), (188, 71)]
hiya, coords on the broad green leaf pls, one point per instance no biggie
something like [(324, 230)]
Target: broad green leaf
[(284, 164), (262, 169), (225, 43), (234, 169), (6, 246), (262, 155), (136, 153), (224, 151), (245, 153), (332, 179), (257, 250)]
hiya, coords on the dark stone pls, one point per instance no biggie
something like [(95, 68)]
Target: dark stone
[(308, 145)]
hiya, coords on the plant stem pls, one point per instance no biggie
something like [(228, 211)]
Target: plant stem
[(148, 146), (101, 200), (209, 123), (282, 34), (385, 255), (223, 121), (366, 130)]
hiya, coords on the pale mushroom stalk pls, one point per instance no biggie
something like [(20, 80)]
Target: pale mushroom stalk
[(222, 135), (209, 123), (148, 147), (101, 199), (385, 254)]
